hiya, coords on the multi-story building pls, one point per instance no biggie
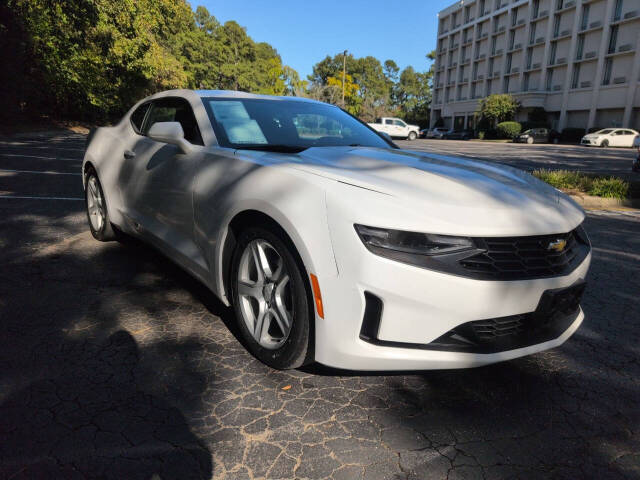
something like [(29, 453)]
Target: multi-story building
[(577, 59)]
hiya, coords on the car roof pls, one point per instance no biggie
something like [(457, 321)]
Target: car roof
[(197, 94)]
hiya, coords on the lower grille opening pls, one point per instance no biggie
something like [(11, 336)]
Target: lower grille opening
[(371, 319)]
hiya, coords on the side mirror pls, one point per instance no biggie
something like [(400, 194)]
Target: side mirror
[(170, 132)]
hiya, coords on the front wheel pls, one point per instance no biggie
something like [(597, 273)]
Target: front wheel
[(604, 144), (97, 213), (412, 136), (529, 140), (270, 298)]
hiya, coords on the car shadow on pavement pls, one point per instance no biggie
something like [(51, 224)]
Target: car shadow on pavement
[(84, 391)]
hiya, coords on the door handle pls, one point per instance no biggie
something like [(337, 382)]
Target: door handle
[(128, 154)]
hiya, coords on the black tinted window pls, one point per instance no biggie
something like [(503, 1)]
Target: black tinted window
[(175, 110), (137, 117)]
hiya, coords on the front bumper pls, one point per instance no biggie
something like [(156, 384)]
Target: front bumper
[(420, 306)]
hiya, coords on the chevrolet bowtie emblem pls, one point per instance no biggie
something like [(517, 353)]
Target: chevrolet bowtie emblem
[(558, 246)]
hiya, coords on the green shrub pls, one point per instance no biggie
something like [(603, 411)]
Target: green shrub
[(508, 129), (481, 135), (609, 187)]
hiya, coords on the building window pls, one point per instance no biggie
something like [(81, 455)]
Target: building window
[(473, 91), (608, 66), (454, 20), (493, 45), (613, 39), (617, 13), (556, 26), (532, 37), (512, 39), (549, 82), (509, 62), (529, 57), (475, 71), (506, 84), (488, 89), (491, 62), (554, 51), (576, 75), (536, 8), (481, 5), (514, 17), (526, 82), (580, 49), (585, 16), (467, 14), (560, 4)]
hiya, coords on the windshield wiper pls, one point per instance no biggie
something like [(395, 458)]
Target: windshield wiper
[(266, 147)]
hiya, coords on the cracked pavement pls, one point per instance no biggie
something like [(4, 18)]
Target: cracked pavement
[(116, 364)]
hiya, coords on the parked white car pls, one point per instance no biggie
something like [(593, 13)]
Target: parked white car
[(437, 132), (396, 128), (611, 137), (333, 245)]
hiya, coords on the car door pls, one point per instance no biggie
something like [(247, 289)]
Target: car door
[(627, 138), (159, 189), (401, 128), (389, 127), (616, 139)]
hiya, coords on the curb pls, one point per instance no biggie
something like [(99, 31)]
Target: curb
[(587, 201)]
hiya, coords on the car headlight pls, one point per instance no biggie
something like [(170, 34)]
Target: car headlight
[(436, 252)]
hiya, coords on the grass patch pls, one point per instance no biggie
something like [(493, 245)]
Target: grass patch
[(607, 187)]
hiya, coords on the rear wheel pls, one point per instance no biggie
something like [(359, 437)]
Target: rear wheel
[(97, 213), (604, 144), (412, 135), (530, 140), (270, 298)]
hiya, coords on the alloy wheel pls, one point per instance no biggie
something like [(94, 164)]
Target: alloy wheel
[(265, 294), (95, 204)]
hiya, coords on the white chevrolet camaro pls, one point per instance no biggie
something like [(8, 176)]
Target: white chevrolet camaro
[(331, 244)]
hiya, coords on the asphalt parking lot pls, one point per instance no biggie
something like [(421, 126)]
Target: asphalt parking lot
[(603, 161), (115, 364)]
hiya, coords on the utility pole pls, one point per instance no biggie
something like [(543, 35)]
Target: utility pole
[(344, 72)]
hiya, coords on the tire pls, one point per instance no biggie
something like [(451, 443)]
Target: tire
[(530, 141), (412, 136), (96, 206), (604, 144), (556, 141), (276, 301)]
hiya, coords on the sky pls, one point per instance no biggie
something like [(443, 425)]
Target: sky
[(304, 31)]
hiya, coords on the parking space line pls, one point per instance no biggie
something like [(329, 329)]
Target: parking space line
[(24, 197), (36, 171), (40, 158)]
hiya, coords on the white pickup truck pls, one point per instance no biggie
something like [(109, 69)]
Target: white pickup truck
[(396, 128)]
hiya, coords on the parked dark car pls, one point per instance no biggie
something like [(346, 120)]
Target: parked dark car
[(538, 135), (458, 135)]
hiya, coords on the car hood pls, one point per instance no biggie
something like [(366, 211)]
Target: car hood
[(427, 180)]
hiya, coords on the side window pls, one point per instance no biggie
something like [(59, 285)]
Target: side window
[(175, 110), (137, 117), (400, 123), (388, 121)]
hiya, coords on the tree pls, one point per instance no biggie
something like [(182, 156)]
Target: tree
[(498, 108)]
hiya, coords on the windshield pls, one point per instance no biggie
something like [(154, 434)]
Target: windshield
[(605, 132), (286, 125), (527, 132)]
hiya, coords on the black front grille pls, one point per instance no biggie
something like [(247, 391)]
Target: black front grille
[(555, 313), (519, 258)]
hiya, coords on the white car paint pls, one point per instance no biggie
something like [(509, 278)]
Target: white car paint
[(396, 127), (613, 137), (183, 204)]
